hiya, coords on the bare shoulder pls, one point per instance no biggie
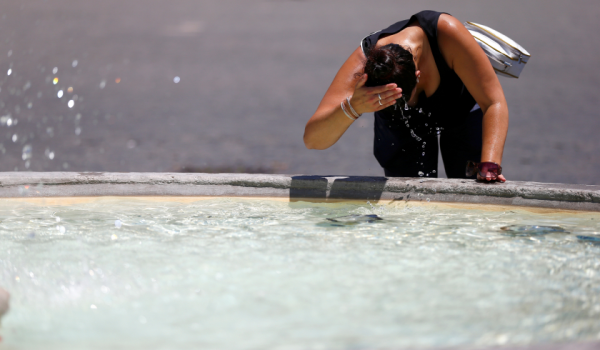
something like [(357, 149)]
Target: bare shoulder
[(454, 39), (450, 28)]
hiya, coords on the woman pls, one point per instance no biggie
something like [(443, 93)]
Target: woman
[(420, 76)]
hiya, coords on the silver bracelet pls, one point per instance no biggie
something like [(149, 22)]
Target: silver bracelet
[(345, 112), (352, 109)]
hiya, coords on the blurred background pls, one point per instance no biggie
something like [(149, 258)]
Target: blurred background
[(228, 86)]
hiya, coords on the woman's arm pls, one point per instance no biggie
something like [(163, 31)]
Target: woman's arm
[(329, 123), (467, 59)]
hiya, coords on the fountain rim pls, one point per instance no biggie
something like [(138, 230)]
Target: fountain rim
[(314, 188)]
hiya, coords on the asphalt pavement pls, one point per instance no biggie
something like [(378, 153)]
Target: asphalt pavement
[(227, 86)]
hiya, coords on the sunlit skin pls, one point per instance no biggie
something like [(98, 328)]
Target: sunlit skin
[(462, 54)]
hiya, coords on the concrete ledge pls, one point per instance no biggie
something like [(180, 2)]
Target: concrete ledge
[(299, 187)]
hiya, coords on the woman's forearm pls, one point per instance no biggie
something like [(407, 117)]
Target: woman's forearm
[(495, 128), (325, 128)]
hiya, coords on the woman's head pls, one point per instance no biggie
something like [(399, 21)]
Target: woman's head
[(391, 64)]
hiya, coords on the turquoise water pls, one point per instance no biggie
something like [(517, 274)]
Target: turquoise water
[(256, 274)]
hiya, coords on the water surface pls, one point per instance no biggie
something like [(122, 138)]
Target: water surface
[(256, 274)]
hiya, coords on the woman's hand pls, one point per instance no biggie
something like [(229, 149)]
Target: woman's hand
[(373, 99), (490, 176)]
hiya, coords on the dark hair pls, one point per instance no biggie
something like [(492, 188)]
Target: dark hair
[(391, 64)]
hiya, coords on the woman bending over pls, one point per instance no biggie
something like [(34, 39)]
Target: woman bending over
[(422, 77)]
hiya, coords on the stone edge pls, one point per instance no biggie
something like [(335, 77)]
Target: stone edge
[(299, 187)]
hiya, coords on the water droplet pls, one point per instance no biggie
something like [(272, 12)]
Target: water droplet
[(6, 120), (74, 64), (26, 86), (423, 153), (176, 80), (420, 110), (55, 80), (60, 93), (113, 238), (49, 154), (118, 223), (93, 307), (433, 171), (54, 70), (61, 229), (70, 89), (27, 150), (9, 53), (65, 165), (118, 80), (429, 114), (15, 137), (131, 144), (50, 131), (29, 105), (406, 107), (426, 124), (77, 131), (71, 103), (428, 199), (102, 84), (9, 72), (392, 144), (421, 173)]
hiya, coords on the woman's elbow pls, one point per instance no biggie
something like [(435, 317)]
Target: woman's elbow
[(310, 144)]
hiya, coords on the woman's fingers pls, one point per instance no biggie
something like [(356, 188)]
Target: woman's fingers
[(379, 89), (373, 99), (489, 176), (391, 95), (384, 105)]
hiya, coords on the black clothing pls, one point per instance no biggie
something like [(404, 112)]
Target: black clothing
[(406, 139)]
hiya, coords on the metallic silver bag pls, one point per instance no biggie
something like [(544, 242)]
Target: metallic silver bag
[(507, 57)]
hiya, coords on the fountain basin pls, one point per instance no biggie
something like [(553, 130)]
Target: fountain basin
[(270, 261)]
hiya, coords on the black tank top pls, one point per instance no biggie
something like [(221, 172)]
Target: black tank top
[(447, 107)]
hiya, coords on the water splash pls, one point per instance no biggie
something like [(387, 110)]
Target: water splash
[(27, 151)]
